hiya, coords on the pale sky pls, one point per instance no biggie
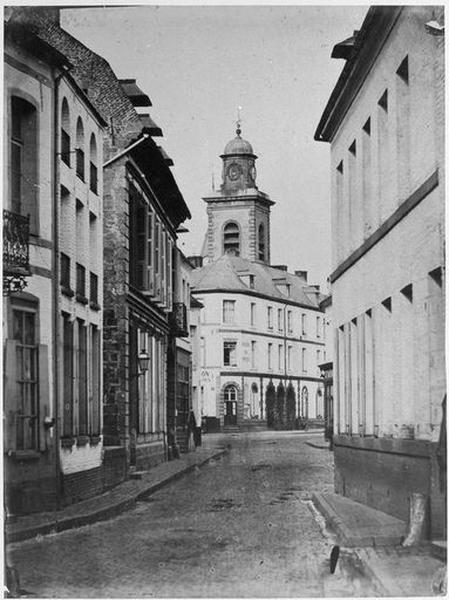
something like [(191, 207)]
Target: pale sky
[(198, 64)]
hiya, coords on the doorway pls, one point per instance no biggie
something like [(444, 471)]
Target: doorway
[(230, 405)]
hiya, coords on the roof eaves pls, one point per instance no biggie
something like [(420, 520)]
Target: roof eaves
[(375, 29)]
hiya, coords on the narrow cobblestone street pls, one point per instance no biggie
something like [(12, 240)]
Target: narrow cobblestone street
[(242, 527)]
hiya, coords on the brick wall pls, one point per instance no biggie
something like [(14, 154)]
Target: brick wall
[(82, 485)]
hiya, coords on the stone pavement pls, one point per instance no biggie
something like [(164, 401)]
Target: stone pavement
[(375, 538), (122, 497)]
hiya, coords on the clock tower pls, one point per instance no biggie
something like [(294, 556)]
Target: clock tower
[(239, 214)]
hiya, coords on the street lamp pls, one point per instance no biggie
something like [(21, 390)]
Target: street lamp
[(143, 359)]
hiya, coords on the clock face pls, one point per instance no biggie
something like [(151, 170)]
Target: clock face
[(234, 171), (252, 173)]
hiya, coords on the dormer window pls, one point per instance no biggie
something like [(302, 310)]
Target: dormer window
[(231, 239)]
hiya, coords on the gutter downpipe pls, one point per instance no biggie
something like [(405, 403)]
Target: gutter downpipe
[(56, 278)]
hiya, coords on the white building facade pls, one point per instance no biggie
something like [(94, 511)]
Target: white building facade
[(261, 328), (385, 123)]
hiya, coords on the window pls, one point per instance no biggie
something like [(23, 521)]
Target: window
[(138, 239), (304, 324), (253, 313), (304, 404), (280, 357), (27, 411), (289, 321), (228, 311), (270, 317), (93, 179), (304, 360), (80, 282), (80, 149), (67, 365), (318, 327), (94, 288), (280, 324), (289, 358), (24, 177), (270, 352), (324, 328), (230, 393), (318, 357), (82, 377), (95, 378), (253, 354), (230, 354), (65, 271), (261, 242), (231, 239), (65, 133)]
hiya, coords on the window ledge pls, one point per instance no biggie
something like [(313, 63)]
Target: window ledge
[(67, 291), (82, 440), (81, 299), (80, 177), (95, 440), (25, 455), (67, 442)]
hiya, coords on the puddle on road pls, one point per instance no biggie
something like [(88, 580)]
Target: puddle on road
[(220, 504), (261, 466)]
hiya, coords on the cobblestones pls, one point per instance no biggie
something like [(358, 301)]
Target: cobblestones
[(240, 527)]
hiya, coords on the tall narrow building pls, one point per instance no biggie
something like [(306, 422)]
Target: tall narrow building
[(261, 334)]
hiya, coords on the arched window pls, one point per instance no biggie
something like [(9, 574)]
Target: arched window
[(231, 239), (305, 403), (261, 242), (24, 184), (230, 393), (65, 132), (80, 149), (93, 165), (255, 403)]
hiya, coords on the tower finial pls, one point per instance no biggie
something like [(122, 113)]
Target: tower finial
[(239, 120)]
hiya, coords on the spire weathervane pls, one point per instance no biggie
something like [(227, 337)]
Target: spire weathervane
[(239, 121)]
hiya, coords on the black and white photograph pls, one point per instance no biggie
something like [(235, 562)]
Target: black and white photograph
[(224, 300)]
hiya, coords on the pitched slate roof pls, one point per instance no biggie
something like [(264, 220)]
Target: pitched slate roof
[(227, 274)]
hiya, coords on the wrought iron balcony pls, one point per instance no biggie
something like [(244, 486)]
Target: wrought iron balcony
[(178, 320), (16, 251)]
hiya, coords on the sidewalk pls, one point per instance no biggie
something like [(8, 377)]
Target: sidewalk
[(121, 498), (375, 539)]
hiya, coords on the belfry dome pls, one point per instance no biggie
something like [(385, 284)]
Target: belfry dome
[(238, 146)]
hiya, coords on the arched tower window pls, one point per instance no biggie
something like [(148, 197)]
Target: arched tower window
[(80, 149), (24, 159), (231, 239), (261, 242), (93, 164), (65, 132)]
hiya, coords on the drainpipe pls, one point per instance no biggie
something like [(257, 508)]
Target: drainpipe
[(56, 304)]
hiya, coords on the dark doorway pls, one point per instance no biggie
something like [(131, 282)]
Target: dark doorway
[(230, 405)]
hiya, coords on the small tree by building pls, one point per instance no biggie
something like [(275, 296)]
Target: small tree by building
[(290, 406), (280, 406), (270, 402)]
